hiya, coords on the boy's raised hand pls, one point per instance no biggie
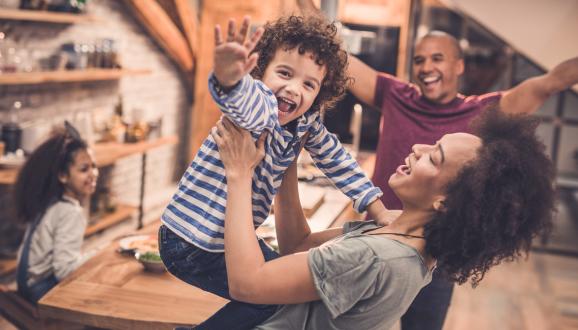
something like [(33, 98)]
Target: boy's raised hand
[(233, 58)]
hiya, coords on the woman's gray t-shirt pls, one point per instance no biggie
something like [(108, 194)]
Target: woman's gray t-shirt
[(364, 281)]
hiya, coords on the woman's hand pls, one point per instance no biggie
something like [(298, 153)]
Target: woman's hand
[(238, 152)]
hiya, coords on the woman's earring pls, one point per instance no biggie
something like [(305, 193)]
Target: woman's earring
[(439, 205)]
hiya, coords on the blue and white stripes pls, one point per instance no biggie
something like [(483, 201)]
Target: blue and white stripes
[(197, 210)]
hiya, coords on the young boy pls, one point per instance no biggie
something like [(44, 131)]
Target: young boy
[(301, 68)]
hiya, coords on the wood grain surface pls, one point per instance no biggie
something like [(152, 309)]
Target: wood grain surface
[(114, 291)]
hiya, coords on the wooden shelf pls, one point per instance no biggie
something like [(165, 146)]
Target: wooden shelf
[(45, 16), (105, 154), (122, 213), (49, 77), (109, 152), (8, 175)]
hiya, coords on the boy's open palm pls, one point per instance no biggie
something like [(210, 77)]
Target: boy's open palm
[(233, 58)]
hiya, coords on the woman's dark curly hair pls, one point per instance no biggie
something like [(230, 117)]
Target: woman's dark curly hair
[(310, 34), (497, 203)]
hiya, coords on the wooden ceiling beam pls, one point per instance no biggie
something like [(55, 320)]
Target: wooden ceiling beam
[(188, 18), (164, 31)]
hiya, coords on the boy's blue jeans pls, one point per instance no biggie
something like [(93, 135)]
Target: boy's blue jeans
[(207, 271)]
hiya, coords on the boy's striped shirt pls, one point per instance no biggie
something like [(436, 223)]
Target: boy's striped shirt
[(197, 210)]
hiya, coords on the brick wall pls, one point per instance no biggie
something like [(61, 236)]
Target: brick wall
[(162, 93)]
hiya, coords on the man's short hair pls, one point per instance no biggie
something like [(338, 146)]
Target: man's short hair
[(454, 42)]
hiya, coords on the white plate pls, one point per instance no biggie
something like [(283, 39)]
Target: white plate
[(139, 243)]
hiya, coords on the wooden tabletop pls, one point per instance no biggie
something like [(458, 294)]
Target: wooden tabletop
[(114, 291)]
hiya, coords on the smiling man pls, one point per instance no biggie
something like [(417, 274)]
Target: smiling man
[(423, 112), (437, 64)]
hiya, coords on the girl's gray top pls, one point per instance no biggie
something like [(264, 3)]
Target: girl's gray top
[(56, 244)]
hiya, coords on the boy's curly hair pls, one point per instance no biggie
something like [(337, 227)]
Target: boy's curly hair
[(498, 202), (310, 34)]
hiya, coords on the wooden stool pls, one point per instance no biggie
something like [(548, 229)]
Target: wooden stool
[(18, 310)]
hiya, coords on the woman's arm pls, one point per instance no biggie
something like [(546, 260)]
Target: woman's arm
[(293, 232), (292, 228), (286, 280)]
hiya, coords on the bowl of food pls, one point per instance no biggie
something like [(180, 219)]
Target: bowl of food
[(151, 261), (138, 243)]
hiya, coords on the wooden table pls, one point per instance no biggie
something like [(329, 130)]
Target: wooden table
[(114, 291)]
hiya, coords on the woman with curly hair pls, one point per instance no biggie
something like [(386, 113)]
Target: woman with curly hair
[(469, 202), (297, 72)]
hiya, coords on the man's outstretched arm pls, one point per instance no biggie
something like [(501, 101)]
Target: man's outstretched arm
[(365, 79), (529, 95)]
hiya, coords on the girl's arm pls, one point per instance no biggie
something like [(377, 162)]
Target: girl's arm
[(68, 238), (286, 280)]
